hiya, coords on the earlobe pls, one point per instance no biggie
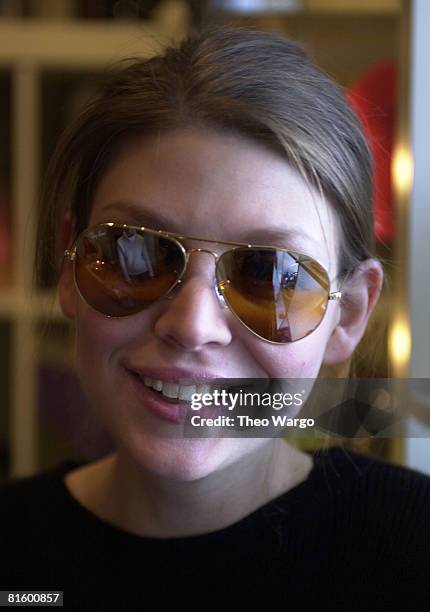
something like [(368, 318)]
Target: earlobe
[(359, 297)]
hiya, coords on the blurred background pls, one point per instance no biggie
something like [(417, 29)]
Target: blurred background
[(53, 54)]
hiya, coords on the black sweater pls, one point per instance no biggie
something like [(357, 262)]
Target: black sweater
[(355, 535)]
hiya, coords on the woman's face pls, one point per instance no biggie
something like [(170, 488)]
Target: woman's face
[(211, 185)]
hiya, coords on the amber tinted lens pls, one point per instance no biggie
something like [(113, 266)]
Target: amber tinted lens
[(120, 271), (281, 296)]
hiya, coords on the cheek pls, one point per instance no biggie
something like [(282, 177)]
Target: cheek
[(300, 359), (291, 362), (99, 342), (96, 337), (106, 338)]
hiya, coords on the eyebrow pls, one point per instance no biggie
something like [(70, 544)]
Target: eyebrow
[(127, 212)]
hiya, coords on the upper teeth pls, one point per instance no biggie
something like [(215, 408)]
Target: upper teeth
[(175, 391)]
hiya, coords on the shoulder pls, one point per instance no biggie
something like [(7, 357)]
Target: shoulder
[(338, 463), (394, 501), (363, 492), (32, 512), (386, 480), (401, 491), (390, 501), (370, 525), (385, 485)]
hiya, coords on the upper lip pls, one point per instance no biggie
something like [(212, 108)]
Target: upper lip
[(176, 375)]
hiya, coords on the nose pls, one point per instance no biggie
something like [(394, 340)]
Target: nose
[(193, 319)]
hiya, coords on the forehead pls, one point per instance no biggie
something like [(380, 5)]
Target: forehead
[(216, 185)]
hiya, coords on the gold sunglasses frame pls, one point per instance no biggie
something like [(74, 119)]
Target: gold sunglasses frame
[(219, 285)]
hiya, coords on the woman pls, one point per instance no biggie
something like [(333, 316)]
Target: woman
[(232, 139)]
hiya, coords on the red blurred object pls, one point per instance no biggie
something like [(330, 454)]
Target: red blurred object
[(374, 97)]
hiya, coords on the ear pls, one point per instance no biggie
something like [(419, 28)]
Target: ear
[(360, 294), (66, 285)]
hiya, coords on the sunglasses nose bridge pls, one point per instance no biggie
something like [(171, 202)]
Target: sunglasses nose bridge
[(217, 288), (198, 250)]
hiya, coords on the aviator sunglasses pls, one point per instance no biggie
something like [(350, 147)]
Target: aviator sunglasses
[(280, 295)]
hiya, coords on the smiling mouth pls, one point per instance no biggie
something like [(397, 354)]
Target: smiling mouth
[(174, 393)]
